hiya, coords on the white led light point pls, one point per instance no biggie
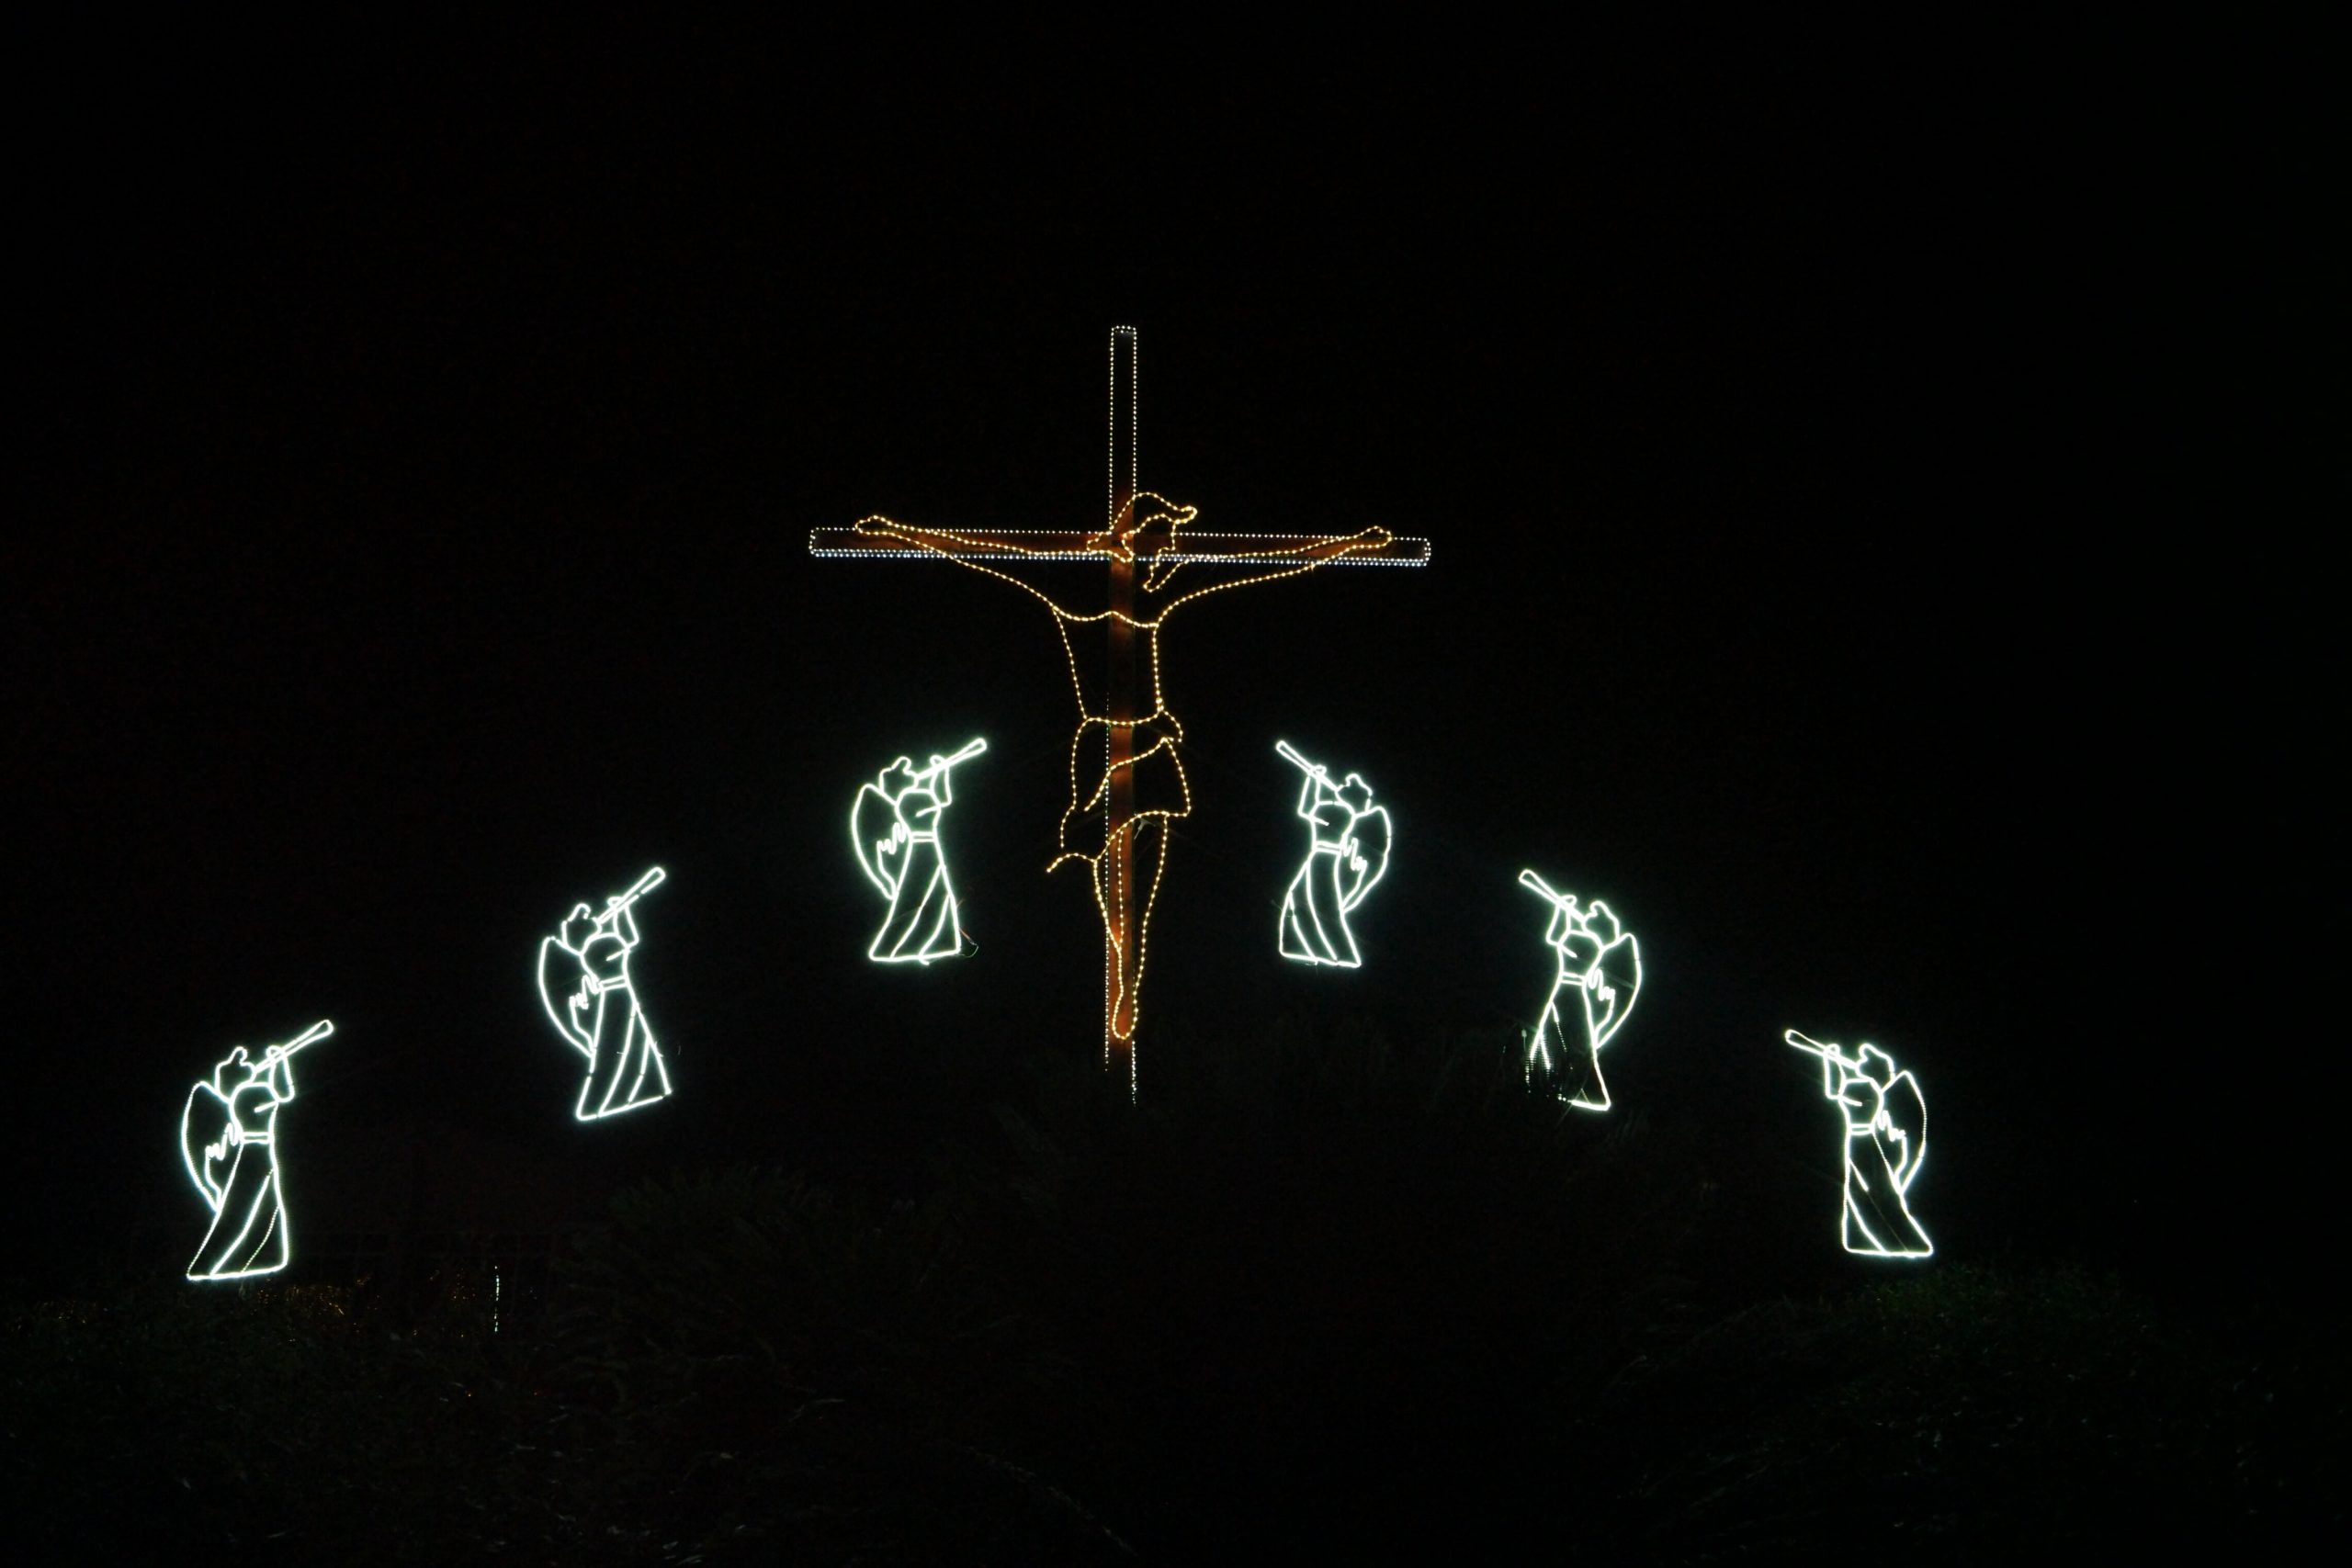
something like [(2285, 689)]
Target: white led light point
[(1602, 963), (588, 961), (1347, 851), (894, 829), (229, 1140), (1886, 1139)]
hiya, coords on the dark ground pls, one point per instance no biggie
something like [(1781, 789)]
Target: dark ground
[(1336, 1293)]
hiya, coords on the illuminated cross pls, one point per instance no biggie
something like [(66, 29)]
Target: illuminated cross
[(1140, 786)]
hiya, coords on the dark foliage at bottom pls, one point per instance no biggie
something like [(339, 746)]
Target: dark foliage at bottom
[(1324, 1293)]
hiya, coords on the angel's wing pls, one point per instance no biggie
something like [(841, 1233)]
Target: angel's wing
[(204, 1140), (1618, 968), (873, 824), (559, 972), (1369, 860), (1907, 1113)]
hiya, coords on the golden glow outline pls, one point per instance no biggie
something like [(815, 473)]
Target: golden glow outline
[(1148, 530)]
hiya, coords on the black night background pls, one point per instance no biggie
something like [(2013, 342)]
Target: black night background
[(1867, 489)]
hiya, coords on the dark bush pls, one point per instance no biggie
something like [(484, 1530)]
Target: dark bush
[(1326, 1293)]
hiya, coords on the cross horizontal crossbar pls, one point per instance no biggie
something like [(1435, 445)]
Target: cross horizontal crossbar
[(1192, 547)]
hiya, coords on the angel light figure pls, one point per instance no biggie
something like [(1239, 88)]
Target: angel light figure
[(1347, 851), (894, 828), (600, 1017), (1602, 964), (229, 1139), (1886, 1139)]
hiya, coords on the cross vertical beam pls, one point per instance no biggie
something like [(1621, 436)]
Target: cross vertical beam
[(1122, 931)]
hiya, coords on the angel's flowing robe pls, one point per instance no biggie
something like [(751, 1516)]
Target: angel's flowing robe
[(921, 923), (1885, 1141), (1347, 853), (249, 1232), (604, 1021), (1582, 1012)]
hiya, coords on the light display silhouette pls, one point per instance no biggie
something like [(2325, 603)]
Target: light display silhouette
[(894, 829), (587, 962), (229, 1140), (1127, 782), (1886, 1140), (1347, 851), (1601, 964)]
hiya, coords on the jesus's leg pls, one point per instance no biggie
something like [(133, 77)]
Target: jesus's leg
[(1126, 881)]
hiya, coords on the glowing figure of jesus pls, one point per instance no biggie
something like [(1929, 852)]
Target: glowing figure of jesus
[(1602, 964), (229, 1139), (894, 828), (1347, 851), (1886, 1139), (600, 1017), (1126, 780)]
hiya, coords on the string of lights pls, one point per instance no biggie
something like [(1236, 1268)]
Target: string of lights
[(1601, 965), (1886, 1141), (601, 1018), (1146, 542), (1137, 534), (894, 826), (229, 1142), (1347, 851), (1203, 548)]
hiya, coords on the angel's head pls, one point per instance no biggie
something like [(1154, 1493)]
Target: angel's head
[(235, 1069)]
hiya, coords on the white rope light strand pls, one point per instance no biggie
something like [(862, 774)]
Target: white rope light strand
[(1347, 851), (587, 961), (1601, 966), (229, 1140), (894, 831), (1886, 1142)]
